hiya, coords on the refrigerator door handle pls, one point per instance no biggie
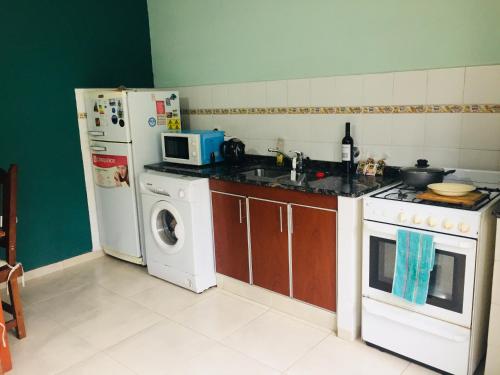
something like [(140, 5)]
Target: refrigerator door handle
[(98, 148), (96, 133)]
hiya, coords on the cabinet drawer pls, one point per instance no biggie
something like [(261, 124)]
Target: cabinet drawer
[(275, 194)]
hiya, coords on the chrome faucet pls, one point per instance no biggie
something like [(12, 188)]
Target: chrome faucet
[(278, 151), (298, 161)]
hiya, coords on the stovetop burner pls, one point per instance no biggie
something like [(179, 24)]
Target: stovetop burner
[(405, 193)]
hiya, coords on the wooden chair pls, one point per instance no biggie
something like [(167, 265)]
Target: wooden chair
[(10, 271)]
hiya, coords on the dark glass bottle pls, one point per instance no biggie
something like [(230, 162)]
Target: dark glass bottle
[(347, 150)]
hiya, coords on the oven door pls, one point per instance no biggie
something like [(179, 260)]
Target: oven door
[(451, 281)]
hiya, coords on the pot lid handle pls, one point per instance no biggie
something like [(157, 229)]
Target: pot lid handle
[(422, 163)]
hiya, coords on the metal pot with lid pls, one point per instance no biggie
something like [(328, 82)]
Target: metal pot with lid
[(422, 175)]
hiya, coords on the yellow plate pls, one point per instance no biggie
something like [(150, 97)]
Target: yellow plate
[(451, 189)]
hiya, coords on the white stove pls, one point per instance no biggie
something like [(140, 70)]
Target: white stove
[(448, 332)]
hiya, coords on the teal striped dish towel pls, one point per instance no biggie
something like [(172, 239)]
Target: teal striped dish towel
[(415, 255)]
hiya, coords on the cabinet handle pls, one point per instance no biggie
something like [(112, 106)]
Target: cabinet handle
[(239, 203), (291, 220), (281, 220), (98, 148)]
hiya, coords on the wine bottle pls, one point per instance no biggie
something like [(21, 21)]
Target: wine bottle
[(347, 150)]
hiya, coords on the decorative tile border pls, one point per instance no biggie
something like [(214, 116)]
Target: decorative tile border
[(378, 109)]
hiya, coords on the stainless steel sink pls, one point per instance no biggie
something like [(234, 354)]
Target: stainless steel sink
[(286, 180), (265, 174)]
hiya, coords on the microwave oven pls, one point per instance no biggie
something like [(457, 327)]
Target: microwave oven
[(195, 147)]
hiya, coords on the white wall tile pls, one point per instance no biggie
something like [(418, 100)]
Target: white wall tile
[(236, 95), (198, 96), (447, 140), (314, 150), (255, 94), (481, 131), (256, 146), (349, 90), (297, 128), (445, 86), (443, 129), (257, 127), (197, 122), (378, 89), (324, 128), (479, 159), (408, 130), (442, 157), (403, 156), (482, 84), (410, 87), (375, 129), (185, 97), (276, 93), (380, 152), (323, 91), (220, 96), (299, 92)]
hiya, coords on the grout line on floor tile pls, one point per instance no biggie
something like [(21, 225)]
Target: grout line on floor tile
[(308, 351), (306, 322), (406, 368)]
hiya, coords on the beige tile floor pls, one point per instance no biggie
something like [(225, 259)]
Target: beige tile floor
[(110, 317)]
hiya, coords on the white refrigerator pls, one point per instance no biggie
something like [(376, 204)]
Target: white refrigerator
[(124, 128)]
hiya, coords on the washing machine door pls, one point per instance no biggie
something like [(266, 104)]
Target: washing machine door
[(167, 227)]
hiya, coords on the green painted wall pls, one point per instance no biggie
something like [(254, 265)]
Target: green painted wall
[(47, 49), (216, 41)]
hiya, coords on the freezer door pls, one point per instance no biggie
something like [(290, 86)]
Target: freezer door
[(116, 198), (107, 116)]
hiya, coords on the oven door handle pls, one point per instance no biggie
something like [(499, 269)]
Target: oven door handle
[(407, 321), (437, 240)]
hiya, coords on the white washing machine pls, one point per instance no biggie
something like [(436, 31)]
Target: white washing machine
[(178, 229)]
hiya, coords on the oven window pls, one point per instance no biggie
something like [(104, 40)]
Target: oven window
[(176, 147), (446, 283)]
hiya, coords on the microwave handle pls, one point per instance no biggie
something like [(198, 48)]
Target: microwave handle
[(415, 325)]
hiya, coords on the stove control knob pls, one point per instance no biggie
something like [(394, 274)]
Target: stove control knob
[(432, 222), (417, 219), (402, 217), (463, 227), (448, 224)]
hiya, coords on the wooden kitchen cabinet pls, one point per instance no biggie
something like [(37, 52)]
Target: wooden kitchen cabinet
[(230, 235), (269, 245), (314, 238)]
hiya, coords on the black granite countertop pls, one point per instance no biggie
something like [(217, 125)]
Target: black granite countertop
[(334, 183)]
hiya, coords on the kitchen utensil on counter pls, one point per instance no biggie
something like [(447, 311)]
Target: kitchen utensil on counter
[(465, 200), (422, 175), (451, 189), (233, 150)]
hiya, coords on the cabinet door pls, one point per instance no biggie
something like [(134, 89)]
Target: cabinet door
[(269, 245), (230, 235), (314, 241)]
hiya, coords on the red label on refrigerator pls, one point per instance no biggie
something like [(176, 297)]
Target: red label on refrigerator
[(160, 107), (110, 170)]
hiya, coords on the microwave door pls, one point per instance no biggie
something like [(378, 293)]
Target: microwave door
[(176, 147)]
